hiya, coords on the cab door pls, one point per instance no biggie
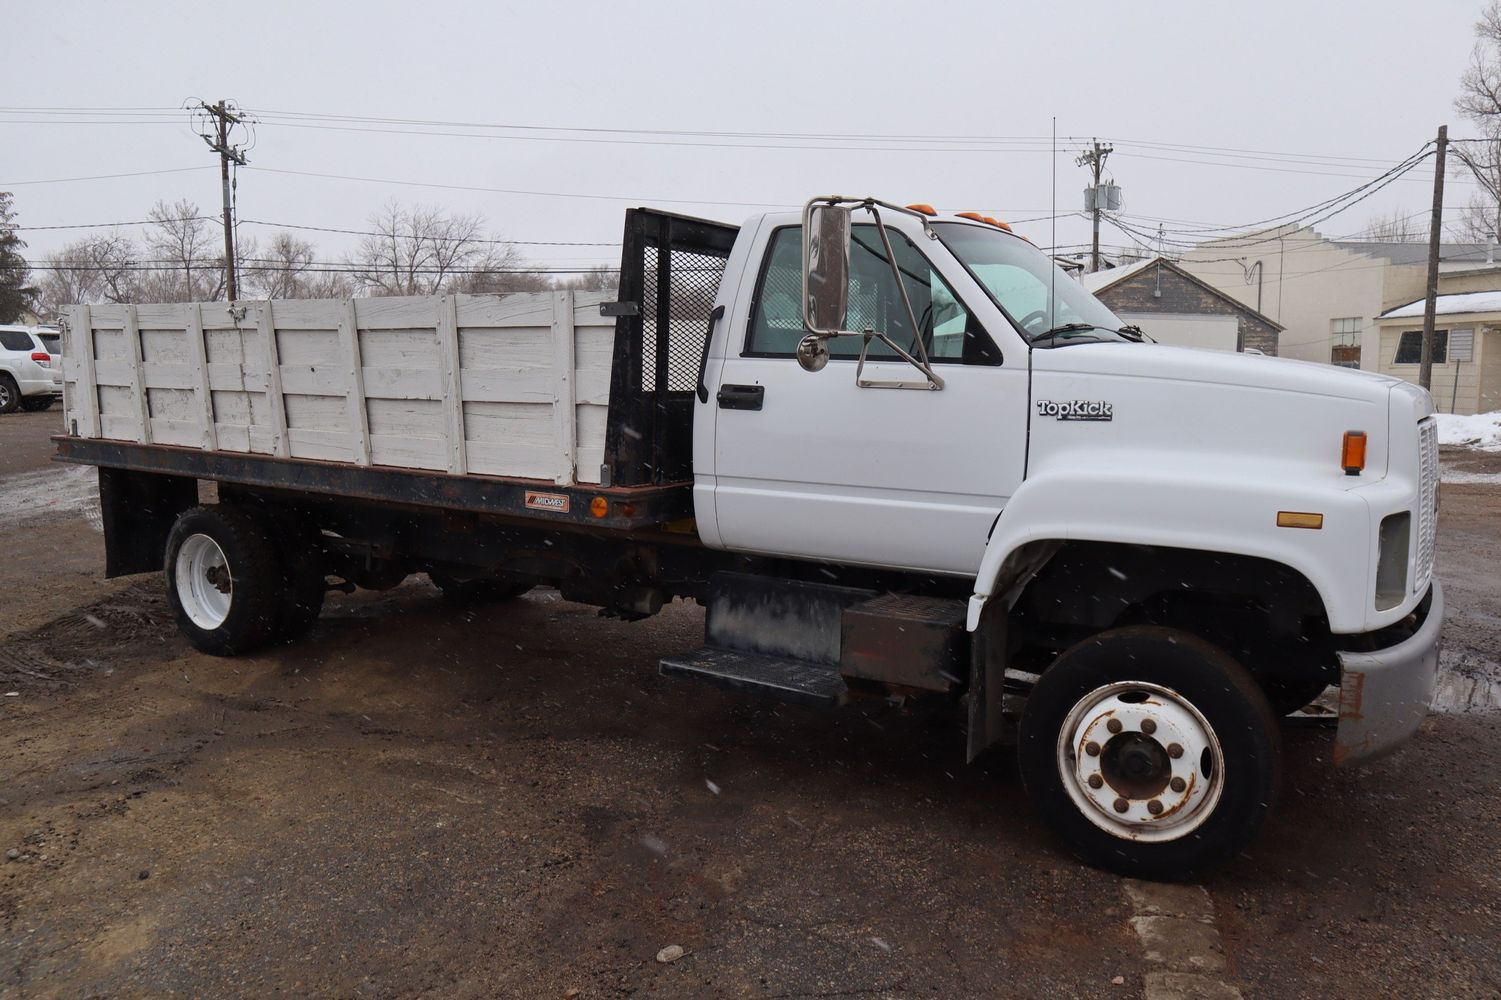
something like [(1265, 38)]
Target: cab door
[(810, 465)]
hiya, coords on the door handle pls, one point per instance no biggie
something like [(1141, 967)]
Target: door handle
[(741, 397)]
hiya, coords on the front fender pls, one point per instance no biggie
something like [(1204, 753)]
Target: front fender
[(1212, 506)]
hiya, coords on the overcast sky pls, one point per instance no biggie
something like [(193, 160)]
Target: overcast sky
[(1282, 104)]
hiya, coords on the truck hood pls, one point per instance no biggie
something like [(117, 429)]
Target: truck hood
[(1133, 403), (1186, 364)]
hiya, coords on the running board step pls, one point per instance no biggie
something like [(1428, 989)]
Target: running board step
[(795, 681)]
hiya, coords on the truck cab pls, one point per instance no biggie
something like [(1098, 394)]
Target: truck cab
[(1008, 436), (1086, 433)]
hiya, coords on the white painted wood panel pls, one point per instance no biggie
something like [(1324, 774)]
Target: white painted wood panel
[(515, 386)]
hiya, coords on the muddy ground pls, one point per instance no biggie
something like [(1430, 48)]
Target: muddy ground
[(420, 801)]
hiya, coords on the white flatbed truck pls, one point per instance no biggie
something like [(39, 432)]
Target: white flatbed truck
[(893, 453)]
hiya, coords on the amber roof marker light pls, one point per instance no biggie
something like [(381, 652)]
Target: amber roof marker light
[(1352, 454)]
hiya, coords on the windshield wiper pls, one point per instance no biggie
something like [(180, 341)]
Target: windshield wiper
[(1064, 328), (1133, 332)]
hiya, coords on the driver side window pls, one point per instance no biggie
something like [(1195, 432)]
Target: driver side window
[(948, 330)]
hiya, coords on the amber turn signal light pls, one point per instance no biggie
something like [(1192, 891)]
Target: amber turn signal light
[(599, 507), (1299, 519), (1352, 456)]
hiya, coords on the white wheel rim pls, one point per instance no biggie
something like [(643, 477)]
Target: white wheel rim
[(1140, 761), (205, 586)]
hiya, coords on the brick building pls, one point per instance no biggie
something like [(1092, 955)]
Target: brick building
[(1174, 307)]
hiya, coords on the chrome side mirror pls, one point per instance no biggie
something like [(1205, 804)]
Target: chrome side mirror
[(826, 267), (812, 353)]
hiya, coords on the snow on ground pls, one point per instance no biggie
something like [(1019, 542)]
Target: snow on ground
[(48, 494), (1449, 474), (1482, 431)]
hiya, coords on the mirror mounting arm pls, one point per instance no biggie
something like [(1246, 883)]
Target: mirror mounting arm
[(833, 215)]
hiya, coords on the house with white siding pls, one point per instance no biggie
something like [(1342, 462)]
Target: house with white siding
[(1329, 294)]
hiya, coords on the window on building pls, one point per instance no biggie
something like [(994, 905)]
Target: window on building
[(1344, 347), (1410, 347)]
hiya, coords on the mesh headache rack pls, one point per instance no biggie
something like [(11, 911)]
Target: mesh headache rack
[(670, 268)]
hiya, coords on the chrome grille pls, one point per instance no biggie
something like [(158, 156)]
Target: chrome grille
[(1427, 502)]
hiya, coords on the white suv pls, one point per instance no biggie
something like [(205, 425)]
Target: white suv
[(31, 371)]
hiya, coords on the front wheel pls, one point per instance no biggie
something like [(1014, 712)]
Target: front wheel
[(224, 580), (10, 394), (1150, 751)]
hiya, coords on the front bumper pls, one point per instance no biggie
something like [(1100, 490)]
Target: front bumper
[(1384, 694)]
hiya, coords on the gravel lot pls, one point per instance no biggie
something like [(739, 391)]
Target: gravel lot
[(419, 801)]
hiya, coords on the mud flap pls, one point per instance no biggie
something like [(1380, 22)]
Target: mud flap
[(987, 722), (139, 509)]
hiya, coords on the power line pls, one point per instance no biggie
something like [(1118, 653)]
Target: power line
[(365, 232), (534, 194), (109, 225), (791, 140), (1319, 213), (267, 264), (101, 177)]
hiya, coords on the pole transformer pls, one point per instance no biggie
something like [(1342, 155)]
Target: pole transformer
[(224, 117), (1094, 158)]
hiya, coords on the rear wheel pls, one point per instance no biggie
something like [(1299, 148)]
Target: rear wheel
[(224, 580), (1150, 751), (10, 394), (479, 590), (36, 404)]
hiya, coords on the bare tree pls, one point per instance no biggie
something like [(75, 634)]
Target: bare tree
[(423, 250), (289, 269), (181, 245), (599, 279), (1397, 227), (93, 269), (1479, 101)]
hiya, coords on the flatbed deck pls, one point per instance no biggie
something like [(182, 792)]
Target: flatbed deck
[(627, 507)]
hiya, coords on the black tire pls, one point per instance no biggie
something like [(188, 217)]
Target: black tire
[(10, 394), (1214, 685), (255, 578), (479, 590), (36, 404)]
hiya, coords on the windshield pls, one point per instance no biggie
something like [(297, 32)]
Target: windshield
[(1023, 281)]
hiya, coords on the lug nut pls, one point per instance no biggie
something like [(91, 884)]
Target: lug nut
[(1154, 807), (1114, 725), (1092, 748), (1121, 805), (1174, 751), (1095, 781), (1148, 726), (1177, 784)]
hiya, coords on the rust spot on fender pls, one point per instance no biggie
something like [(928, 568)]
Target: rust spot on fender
[(1351, 703)]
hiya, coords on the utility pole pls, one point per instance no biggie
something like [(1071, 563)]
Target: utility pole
[(1094, 158), (224, 116), (1435, 233)]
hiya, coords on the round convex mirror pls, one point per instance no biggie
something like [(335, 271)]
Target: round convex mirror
[(812, 353)]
